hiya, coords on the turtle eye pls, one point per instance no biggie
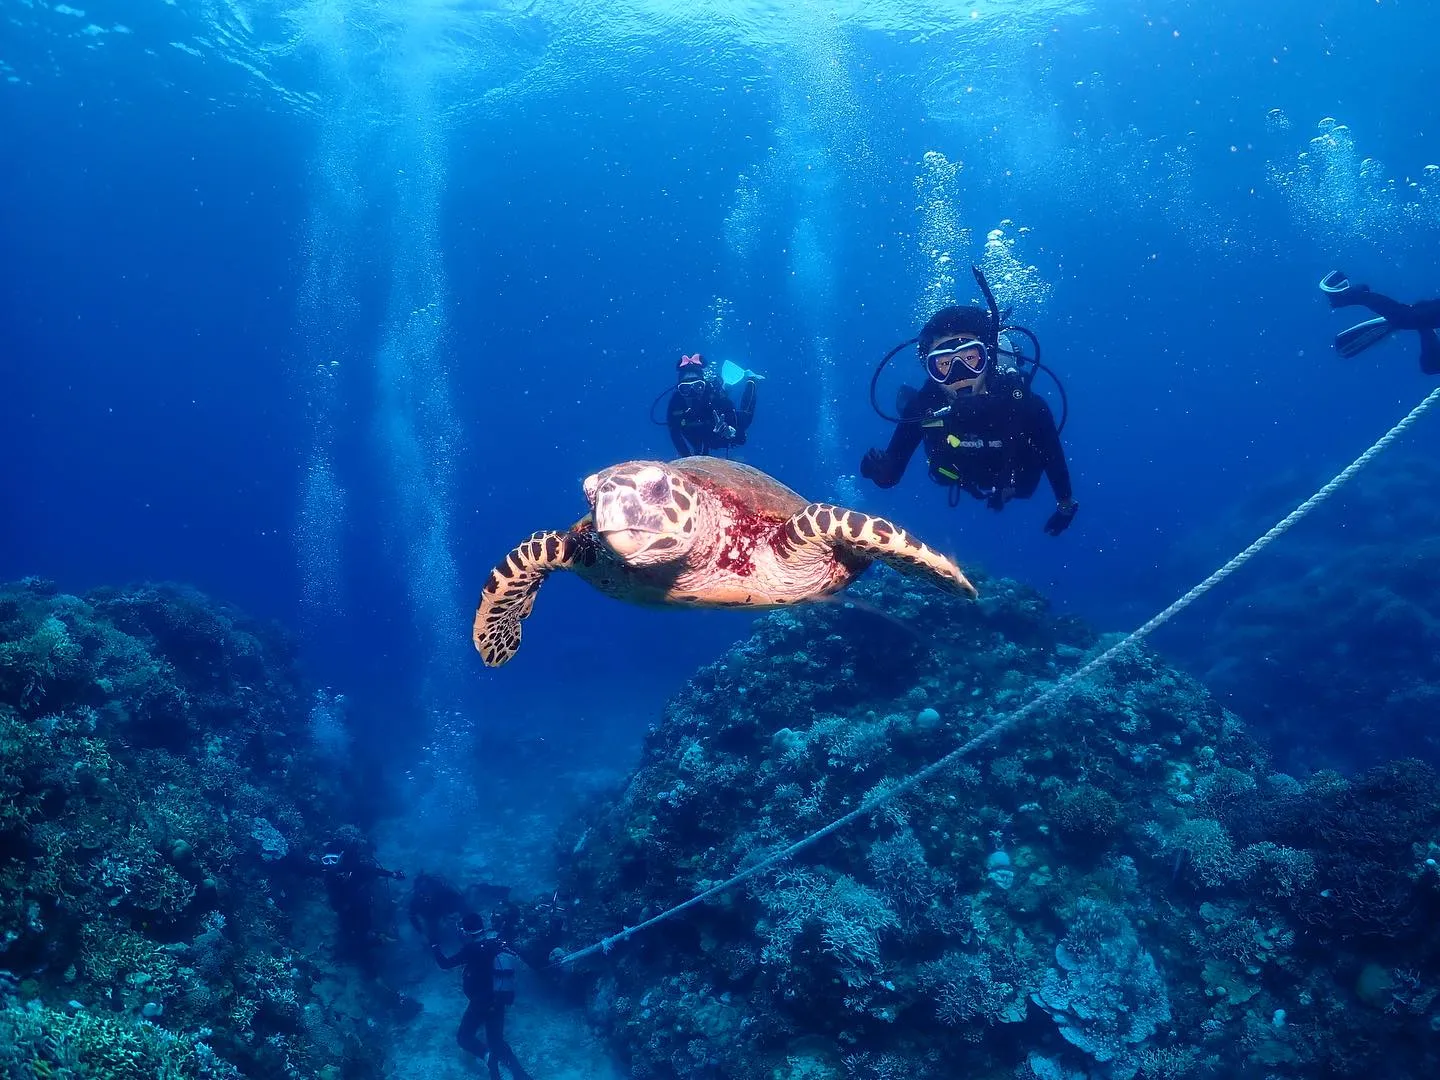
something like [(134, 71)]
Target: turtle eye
[(655, 489)]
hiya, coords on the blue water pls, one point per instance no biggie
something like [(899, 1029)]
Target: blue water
[(564, 192)]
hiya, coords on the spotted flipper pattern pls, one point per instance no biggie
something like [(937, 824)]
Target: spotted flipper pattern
[(509, 592), (876, 538)]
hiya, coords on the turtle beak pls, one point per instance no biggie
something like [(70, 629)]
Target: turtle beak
[(628, 543), (624, 520)]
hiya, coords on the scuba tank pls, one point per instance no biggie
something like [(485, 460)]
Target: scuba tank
[(502, 978)]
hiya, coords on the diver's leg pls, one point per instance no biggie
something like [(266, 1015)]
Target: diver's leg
[(746, 412), (1398, 314), (354, 944), (495, 1036), (1426, 314), (501, 1050), (470, 1023)]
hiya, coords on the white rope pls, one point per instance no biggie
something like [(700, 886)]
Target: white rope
[(1055, 691)]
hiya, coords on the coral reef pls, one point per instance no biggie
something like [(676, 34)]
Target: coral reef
[(1123, 888), (155, 772)]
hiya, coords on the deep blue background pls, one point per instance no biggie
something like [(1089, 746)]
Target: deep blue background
[(153, 208)]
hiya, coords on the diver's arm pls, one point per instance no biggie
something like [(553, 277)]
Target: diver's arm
[(725, 414), (885, 468), (447, 962), (1047, 440)]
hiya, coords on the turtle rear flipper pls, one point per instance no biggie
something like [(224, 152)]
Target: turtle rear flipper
[(878, 539), (509, 592)]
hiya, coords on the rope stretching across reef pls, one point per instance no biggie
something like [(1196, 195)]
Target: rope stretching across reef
[(1051, 694)]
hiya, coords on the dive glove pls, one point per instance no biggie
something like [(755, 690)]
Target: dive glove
[(1060, 520)]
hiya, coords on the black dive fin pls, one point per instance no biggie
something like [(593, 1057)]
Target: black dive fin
[(1352, 342)]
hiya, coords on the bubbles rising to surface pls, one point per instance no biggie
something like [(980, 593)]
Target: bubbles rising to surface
[(940, 239)]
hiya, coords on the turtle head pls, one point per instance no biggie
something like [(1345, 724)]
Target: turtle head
[(643, 511)]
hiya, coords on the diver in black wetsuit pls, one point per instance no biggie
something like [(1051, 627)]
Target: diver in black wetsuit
[(985, 431), (701, 417), (489, 985), (1422, 317), (349, 873)]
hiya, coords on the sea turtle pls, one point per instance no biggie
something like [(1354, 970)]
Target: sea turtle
[(699, 532)]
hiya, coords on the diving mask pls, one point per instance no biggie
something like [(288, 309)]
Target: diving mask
[(472, 927), (970, 352)]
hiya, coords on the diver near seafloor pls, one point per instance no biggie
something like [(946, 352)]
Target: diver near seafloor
[(700, 414), (986, 432), (488, 982), (1423, 317), (349, 872)]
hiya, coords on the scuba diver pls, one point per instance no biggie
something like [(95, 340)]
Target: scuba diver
[(986, 432), (348, 870), (1391, 315), (701, 417), (489, 986), (349, 873)]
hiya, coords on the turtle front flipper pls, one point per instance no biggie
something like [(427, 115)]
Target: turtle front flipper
[(875, 538), (509, 592)]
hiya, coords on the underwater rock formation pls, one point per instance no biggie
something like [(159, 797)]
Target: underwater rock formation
[(1121, 888), (1340, 621), (154, 774)]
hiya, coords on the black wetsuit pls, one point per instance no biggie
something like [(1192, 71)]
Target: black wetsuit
[(349, 886), (485, 1008), (708, 421), (1422, 316), (993, 445)]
